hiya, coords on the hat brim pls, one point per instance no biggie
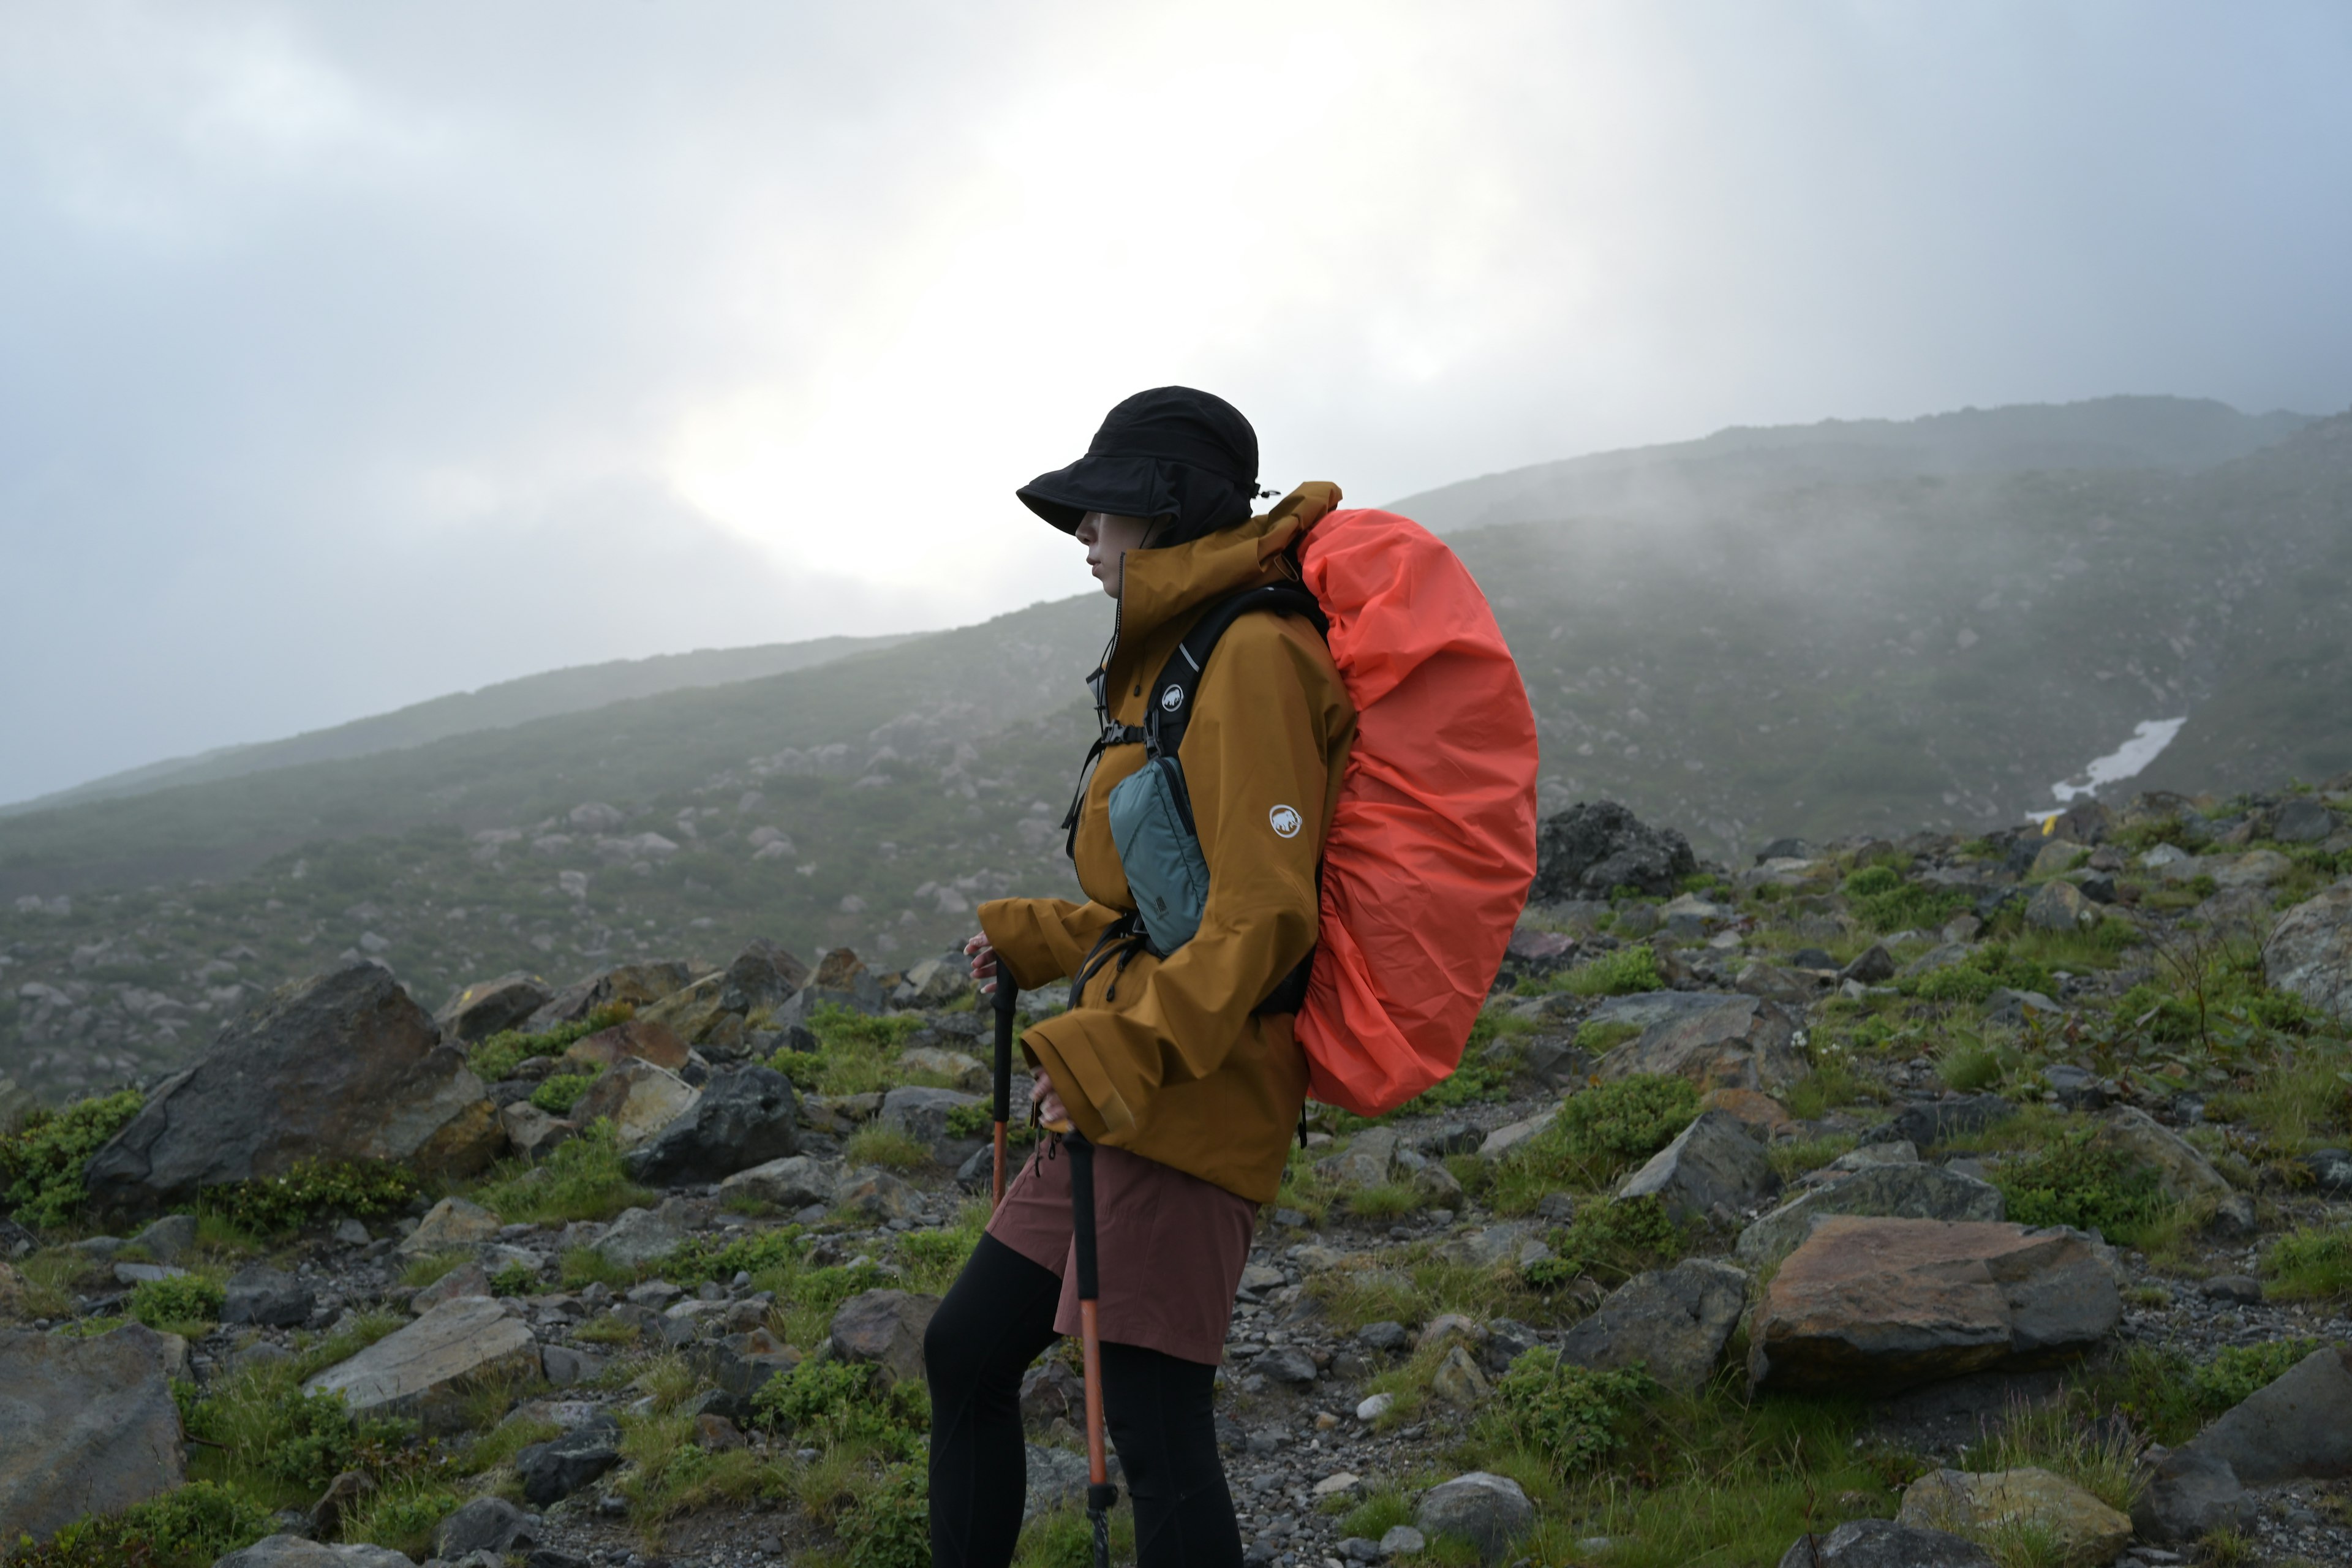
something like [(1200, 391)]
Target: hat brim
[(1122, 485)]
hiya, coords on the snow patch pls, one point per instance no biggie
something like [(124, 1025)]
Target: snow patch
[(2146, 743)]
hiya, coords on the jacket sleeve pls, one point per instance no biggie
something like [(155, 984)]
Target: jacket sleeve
[(1268, 717), (1042, 940)]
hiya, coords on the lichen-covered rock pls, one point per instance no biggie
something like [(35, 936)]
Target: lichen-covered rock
[(2310, 952), (743, 1117), (639, 1099), (86, 1426), (343, 1065), (1716, 1163), (1593, 848), (1870, 1305), (1726, 1041), (478, 1011), (2083, 1531), (1903, 1191), (1673, 1320), (1487, 1511)]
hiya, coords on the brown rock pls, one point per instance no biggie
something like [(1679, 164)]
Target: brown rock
[(640, 1039), (1767, 1115), (484, 1009), (638, 1097), (638, 984), (2084, 1531), (1875, 1305), (716, 1434)]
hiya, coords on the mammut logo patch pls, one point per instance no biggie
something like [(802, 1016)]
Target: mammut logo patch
[(1286, 820), (1172, 699)]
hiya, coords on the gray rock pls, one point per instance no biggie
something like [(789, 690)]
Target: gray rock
[(2188, 1495), (1732, 1042), (1502, 1141), (1904, 1191), (1716, 1161), (2061, 907), (300, 1551), (533, 1132), (1490, 1512), (562, 1466), (885, 1328), (86, 1426), (642, 1237), (1925, 1122), (922, 1113), (2018, 1008), (478, 1011), (340, 1067), (2310, 952), (1497, 1243), (2299, 1427), (1883, 1543), (1057, 1478), (168, 1239), (448, 1225), (1590, 849), (1403, 1540), (876, 1196), (1675, 1321), (1874, 967), (639, 983), (1382, 1336), (763, 975), (746, 1117), (790, 1183), (566, 1365), (1287, 1365), (2303, 821), (485, 1524), (1366, 1160), (267, 1297), (423, 1370)]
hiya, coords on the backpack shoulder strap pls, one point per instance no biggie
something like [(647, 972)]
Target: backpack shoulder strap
[(1171, 703)]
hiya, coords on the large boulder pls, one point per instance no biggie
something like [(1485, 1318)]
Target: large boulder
[(639, 984), (1673, 1320), (1905, 1192), (2182, 1174), (343, 1065), (2188, 1495), (1874, 1305), (1593, 848), (2310, 950), (1488, 1512), (488, 1524), (885, 1328), (447, 1226), (86, 1426), (425, 1369), (841, 980), (745, 1117), (1883, 1543), (639, 1098), (1717, 1041), (1714, 1164), (2083, 1529), (763, 975), (478, 1011), (640, 1238), (2298, 1427)]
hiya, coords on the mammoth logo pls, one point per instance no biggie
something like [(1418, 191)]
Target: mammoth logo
[(1172, 699), (1285, 820)]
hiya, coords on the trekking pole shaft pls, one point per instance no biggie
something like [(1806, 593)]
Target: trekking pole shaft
[(1007, 998)]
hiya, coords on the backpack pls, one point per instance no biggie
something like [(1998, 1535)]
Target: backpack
[(1433, 843)]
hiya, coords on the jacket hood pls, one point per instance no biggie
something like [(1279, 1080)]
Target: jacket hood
[(1161, 586)]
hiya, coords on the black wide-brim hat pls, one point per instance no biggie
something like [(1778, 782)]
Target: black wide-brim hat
[(1173, 453)]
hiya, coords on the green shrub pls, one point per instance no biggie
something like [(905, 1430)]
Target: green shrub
[(2238, 1371), (188, 1527), (180, 1301), (1568, 1413), (402, 1519), (821, 1401), (891, 1525), (2314, 1261), (1619, 973), (1979, 975), (582, 1179), (1883, 901), (764, 1252), (980, 1121), (874, 1144), (514, 1280), (306, 1190), (840, 1028), (496, 1058), (1630, 1119), (1610, 1241), (2073, 1181), (559, 1092), (805, 1070), (41, 1161)]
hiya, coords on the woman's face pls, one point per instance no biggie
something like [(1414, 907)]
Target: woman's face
[(1107, 539)]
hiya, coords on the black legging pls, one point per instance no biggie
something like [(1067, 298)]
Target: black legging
[(997, 1319)]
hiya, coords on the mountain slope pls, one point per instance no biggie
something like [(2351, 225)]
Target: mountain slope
[(494, 707)]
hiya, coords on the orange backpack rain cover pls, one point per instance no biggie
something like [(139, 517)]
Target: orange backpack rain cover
[(1433, 843)]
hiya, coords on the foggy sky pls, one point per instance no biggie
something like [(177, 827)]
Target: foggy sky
[(350, 355)]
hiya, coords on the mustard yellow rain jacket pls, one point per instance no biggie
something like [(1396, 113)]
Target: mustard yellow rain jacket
[(1163, 1058)]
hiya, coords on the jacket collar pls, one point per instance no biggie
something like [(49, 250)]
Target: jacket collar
[(1161, 588)]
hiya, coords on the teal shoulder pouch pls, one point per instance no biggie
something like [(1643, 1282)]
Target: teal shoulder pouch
[(1152, 824)]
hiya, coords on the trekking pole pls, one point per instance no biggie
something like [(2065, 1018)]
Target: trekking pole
[(1007, 998), (1100, 1493)]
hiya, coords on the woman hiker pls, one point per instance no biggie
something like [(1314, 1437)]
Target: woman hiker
[(1181, 1069)]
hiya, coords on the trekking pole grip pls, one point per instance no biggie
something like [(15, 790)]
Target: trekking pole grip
[(1007, 999)]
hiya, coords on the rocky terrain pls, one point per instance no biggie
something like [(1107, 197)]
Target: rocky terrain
[(1916, 1201), (1823, 631)]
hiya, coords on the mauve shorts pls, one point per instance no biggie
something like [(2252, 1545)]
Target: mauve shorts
[(1168, 1249)]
